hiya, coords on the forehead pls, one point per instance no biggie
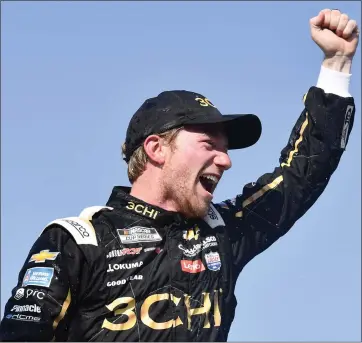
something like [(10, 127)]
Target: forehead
[(215, 131)]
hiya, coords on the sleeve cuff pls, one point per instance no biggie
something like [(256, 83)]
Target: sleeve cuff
[(334, 82)]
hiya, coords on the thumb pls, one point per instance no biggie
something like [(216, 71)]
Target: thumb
[(318, 20)]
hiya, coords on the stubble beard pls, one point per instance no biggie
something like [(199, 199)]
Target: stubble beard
[(176, 186)]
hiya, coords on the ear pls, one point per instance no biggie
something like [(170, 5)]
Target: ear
[(154, 149)]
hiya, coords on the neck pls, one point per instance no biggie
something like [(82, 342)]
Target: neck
[(149, 190)]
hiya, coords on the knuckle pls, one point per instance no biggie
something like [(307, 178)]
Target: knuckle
[(344, 17)]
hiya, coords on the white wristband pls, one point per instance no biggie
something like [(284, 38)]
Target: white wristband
[(335, 82)]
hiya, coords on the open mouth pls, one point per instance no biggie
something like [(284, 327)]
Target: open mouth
[(209, 182)]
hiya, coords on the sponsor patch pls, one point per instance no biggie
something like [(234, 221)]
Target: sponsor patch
[(124, 281), (26, 308), (192, 266), (138, 234), (191, 234), (43, 255), (21, 292), (213, 261), (123, 252), (38, 276), (197, 248), (22, 317), (123, 266)]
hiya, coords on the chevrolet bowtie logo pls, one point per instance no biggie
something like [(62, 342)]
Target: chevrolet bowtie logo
[(43, 256), (192, 234)]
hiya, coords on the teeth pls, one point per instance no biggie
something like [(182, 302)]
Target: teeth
[(212, 178)]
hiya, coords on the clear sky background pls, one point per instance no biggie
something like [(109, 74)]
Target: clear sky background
[(74, 73)]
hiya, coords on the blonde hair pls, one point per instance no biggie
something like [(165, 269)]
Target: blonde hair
[(139, 158)]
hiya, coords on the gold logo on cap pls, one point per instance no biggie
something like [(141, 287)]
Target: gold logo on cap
[(205, 102)]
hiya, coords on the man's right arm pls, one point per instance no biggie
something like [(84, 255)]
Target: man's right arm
[(46, 291)]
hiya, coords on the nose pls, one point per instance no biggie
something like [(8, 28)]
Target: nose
[(223, 160)]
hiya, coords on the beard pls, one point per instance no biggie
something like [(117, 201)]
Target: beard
[(177, 187)]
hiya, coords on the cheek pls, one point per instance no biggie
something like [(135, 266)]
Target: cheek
[(184, 157), (196, 156), (188, 161)]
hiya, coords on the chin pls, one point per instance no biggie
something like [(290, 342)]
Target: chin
[(197, 211)]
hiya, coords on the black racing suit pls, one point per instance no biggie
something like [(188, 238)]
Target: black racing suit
[(135, 272)]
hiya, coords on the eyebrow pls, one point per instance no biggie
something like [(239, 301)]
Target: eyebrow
[(210, 134)]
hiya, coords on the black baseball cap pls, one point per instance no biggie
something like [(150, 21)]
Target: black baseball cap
[(172, 109)]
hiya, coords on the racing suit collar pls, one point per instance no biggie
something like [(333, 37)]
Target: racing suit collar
[(121, 198)]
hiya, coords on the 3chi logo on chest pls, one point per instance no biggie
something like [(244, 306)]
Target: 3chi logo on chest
[(124, 307)]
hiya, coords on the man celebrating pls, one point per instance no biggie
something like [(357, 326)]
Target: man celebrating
[(160, 261)]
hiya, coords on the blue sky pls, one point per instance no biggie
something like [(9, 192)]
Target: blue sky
[(74, 73)]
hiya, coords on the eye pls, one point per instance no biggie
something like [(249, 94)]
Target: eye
[(209, 144)]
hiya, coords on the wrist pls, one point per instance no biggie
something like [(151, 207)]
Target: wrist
[(334, 82), (341, 64)]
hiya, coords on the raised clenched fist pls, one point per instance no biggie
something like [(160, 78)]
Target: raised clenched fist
[(335, 33)]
